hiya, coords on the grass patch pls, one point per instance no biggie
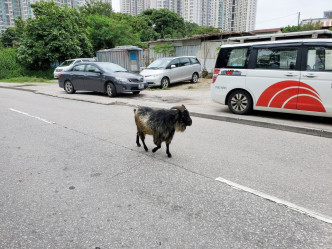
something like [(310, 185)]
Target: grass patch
[(191, 87), (27, 79)]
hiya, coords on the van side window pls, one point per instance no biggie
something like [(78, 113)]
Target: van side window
[(232, 58), (276, 58), (194, 60), (319, 59), (184, 62), (175, 62)]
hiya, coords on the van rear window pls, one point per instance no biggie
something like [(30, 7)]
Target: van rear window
[(232, 58)]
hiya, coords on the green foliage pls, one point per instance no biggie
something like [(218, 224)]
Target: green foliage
[(305, 27), (55, 34), (105, 32), (12, 36), (141, 24), (11, 68), (9, 64), (96, 7), (8, 37), (25, 79), (165, 22), (166, 49), (195, 29)]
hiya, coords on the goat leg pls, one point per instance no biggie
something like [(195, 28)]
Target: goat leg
[(142, 135), (137, 140), (167, 150), (156, 148)]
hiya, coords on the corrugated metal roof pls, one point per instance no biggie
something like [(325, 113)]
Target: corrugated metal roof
[(122, 48), (195, 37)]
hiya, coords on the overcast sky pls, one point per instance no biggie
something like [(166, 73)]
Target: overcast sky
[(280, 13)]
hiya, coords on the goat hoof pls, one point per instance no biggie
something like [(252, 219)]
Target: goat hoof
[(138, 145), (146, 149), (169, 155)]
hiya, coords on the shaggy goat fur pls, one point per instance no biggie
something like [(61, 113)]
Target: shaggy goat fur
[(161, 124)]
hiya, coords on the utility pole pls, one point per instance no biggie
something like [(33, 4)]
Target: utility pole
[(298, 18)]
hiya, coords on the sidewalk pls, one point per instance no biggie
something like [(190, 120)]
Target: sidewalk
[(197, 101)]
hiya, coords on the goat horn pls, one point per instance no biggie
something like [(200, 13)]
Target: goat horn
[(180, 108)]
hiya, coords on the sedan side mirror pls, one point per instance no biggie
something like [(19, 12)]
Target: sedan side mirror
[(173, 66)]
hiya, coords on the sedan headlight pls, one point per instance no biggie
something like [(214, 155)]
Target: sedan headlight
[(122, 79)]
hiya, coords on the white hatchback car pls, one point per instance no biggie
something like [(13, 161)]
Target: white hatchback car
[(64, 66), (162, 72)]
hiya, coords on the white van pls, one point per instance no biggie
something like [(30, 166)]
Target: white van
[(293, 76)]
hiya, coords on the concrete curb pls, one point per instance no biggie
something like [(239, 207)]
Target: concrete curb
[(237, 119), (275, 126)]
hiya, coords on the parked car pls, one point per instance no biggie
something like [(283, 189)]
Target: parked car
[(102, 77), (162, 72), (292, 76), (67, 64)]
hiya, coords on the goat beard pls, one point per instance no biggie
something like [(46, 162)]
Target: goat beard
[(180, 127)]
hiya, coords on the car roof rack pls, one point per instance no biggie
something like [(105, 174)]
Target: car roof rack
[(313, 34)]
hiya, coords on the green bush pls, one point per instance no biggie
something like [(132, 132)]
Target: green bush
[(9, 65), (10, 68)]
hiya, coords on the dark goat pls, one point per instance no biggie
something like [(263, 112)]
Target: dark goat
[(161, 124)]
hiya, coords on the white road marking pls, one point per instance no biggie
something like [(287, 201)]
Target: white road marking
[(289, 205), (27, 114)]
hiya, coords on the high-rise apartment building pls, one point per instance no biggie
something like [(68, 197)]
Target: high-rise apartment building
[(228, 15), (12, 9), (134, 7), (239, 15), (328, 14)]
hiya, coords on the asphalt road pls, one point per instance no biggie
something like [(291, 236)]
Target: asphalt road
[(71, 176)]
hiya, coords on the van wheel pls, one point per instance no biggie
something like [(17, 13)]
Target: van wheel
[(69, 88), (194, 79), (110, 89), (240, 102), (164, 82)]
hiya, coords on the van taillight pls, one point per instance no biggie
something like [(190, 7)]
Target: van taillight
[(215, 74)]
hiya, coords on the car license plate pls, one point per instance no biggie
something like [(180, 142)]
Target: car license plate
[(140, 86)]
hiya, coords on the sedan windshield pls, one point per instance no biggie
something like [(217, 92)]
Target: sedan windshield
[(112, 68), (66, 63), (160, 63)]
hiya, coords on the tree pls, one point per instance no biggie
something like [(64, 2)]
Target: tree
[(165, 22), (106, 32), (195, 29), (140, 24), (12, 36), (305, 27), (54, 35), (96, 7), (8, 37), (165, 49)]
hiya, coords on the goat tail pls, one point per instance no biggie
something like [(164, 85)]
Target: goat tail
[(135, 111)]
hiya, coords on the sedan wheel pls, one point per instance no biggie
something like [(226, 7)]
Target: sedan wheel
[(194, 79), (69, 88), (164, 82), (240, 102), (111, 91)]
